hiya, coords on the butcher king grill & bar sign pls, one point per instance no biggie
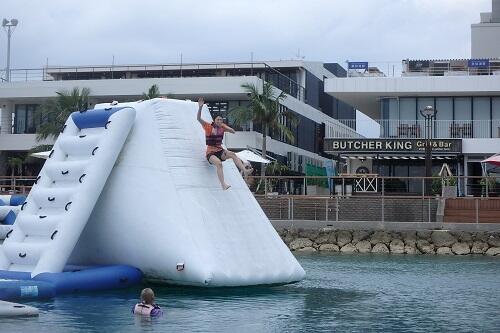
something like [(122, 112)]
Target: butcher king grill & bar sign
[(335, 146)]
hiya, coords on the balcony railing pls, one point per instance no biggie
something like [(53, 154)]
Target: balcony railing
[(415, 129), (259, 69)]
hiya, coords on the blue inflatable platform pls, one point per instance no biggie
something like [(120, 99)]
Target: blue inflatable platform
[(20, 285)]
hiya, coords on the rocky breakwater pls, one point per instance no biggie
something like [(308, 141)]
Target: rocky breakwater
[(397, 242)]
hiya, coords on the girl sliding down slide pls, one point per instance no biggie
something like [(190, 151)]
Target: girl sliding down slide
[(214, 133)]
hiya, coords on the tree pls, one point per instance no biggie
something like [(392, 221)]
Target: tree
[(264, 109), (153, 92), (15, 163), (54, 112)]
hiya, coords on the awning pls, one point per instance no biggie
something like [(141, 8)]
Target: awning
[(495, 160), (394, 157), (43, 154), (247, 155)]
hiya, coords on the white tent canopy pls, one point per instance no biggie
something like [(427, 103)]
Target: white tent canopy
[(249, 156)]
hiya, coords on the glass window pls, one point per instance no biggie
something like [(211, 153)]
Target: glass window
[(495, 116), (463, 108), (407, 107), (20, 119), (481, 114), (462, 125), (444, 116)]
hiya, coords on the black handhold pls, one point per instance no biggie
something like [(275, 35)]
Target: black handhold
[(22, 255), (81, 177), (53, 234), (107, 109), (7, 236), (63, 128), (67, 206), (51, 153), (82, 111), (65, 172), (94, 150), (42, 216), (107, 123), (51, 199), (37, 179), (82, 136), (24, 204)]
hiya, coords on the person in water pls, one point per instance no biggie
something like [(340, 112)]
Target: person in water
[(147, 307), (216, 154)]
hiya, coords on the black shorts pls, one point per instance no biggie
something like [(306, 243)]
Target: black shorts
[(218, 154)]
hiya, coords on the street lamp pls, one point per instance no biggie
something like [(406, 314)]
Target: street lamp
[(9, 27), (429, 113)]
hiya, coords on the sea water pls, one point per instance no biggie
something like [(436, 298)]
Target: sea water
[(342, 293)]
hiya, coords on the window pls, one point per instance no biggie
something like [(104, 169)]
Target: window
[(25, 119), (481, 114)]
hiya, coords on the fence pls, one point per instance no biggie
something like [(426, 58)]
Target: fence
[(350, 208), (372, 184), (415, 129)]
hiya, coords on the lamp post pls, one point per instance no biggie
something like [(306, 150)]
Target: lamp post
[(429, 113), (9, 26)]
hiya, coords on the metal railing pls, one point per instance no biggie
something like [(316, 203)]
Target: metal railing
[(444, 67), (375, 185), (259, 69), (460, 129)]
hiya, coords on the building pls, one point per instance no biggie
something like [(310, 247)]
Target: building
[(485, 40), (466, 130), (219, 83)]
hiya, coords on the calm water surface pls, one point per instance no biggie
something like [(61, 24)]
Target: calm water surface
[(344, 293)]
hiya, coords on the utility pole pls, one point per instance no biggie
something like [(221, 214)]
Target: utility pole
[(9, 26)]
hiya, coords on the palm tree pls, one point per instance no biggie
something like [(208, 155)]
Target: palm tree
[(15, 163), (54, 112), (153, 92), (264, 109)]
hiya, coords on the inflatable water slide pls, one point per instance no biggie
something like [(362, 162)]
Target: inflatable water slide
[(128, 187)]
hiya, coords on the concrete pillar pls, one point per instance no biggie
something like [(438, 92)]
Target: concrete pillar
[(6, 120)]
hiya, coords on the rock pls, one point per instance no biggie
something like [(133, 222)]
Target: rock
[(343, 237), (494, 240), (329, 248), (380, 248), (348, 248), (493, 251), (311, 234), (444, 250), (480, 236), (364, 246), (323, 238), (463, 236), (425, 247), (397, 246), (410, 249), (424, 234), (460, 248), (300, 243), (307, 249), (479, 247), (360, 235), (409, 237), (380, 237), (442, 238)]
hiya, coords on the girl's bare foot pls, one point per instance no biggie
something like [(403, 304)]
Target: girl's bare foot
[(225, 187)]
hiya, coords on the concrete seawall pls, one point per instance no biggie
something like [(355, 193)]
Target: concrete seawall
[(444, 242)]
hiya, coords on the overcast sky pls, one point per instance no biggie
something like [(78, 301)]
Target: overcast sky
[(91, 32)]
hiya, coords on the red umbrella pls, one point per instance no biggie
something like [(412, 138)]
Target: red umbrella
[(495, 160)]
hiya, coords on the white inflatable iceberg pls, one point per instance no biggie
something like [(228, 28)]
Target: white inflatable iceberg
[(161, 210)]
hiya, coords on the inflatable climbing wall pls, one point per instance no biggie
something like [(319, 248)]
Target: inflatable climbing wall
[(163, 210), (59, 205)]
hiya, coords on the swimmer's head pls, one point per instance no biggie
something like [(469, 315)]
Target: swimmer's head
[(218, 121), (147, 296)]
